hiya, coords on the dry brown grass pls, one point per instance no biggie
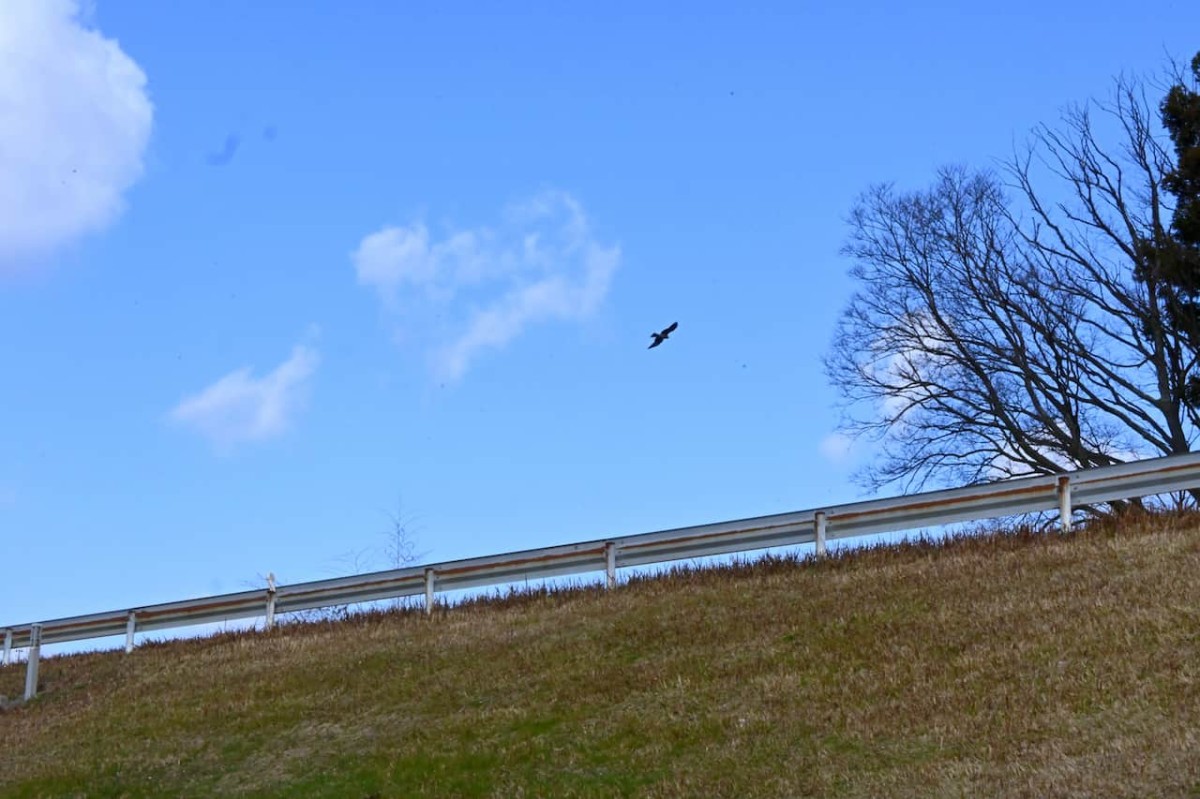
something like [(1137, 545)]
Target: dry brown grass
[(1006, 665)]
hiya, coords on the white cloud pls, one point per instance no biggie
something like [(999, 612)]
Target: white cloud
[(836, 448), (1008, 464), (488, 285), (74, 123), (393, 256), (239, 407)]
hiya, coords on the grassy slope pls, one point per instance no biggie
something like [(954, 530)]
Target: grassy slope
[(1018, 665)]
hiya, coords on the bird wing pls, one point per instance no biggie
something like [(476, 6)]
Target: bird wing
[(657, 341), (670, 329)]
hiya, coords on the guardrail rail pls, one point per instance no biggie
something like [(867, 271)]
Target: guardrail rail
[(1062, 492)]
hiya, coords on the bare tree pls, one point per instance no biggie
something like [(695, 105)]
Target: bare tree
[(397, 550), (1007, 324), (400, 539), (399, 547)]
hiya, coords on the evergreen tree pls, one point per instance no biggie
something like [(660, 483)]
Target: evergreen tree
[(1174, 256)]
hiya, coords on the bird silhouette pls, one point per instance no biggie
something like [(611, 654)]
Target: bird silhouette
[(659, 338)]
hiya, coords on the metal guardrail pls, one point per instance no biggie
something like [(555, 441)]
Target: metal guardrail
[(817, 526)]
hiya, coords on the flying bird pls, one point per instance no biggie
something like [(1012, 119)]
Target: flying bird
[(659, 338)]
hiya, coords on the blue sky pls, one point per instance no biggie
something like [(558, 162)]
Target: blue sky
[(268, 269)]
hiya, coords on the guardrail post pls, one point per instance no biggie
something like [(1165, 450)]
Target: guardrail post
[(130, 629), (610, 565), (270, 600), (1064, 502), (31, 665), (819, 532), (7, 646), (429, 578)]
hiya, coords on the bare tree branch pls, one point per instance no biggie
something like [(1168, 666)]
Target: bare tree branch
[(1015, 328)]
